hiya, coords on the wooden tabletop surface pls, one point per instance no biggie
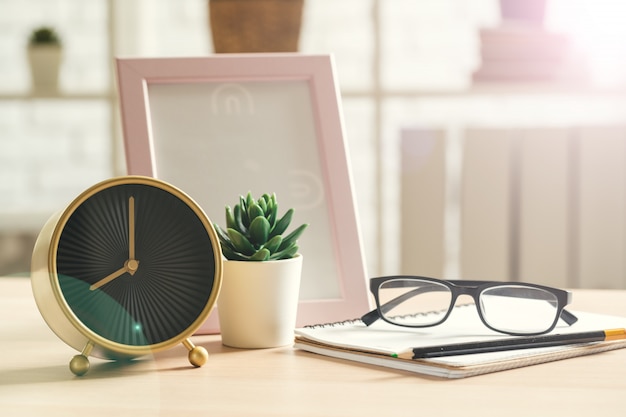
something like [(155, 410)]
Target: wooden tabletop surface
[(35, 379)]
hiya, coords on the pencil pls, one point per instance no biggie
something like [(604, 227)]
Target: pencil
[(511, 344)]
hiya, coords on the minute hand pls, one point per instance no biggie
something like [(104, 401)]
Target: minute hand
[(131, 228)]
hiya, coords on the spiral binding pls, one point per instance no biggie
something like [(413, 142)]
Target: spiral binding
[(358, 320), (333, 324)]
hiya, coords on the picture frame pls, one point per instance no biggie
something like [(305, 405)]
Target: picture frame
[(223, 125)]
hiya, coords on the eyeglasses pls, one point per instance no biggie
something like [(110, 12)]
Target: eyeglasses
[(513, 308)]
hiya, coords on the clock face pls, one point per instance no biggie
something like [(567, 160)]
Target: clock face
[(136, 264)]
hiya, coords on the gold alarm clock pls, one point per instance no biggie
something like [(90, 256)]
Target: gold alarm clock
[(132, 266)]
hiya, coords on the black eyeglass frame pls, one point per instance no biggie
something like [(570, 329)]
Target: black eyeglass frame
[(465, 287)]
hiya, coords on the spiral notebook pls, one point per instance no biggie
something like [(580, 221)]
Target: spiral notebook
[(375, 345)]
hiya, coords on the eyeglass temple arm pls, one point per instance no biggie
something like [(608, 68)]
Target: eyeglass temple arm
[(371, 317), (568, 317)]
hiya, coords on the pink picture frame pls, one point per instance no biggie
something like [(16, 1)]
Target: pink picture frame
[(222, 125)]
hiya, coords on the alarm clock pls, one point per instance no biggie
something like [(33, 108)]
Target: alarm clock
[(130, 267)]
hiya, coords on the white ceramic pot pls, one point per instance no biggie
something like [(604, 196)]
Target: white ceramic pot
[(258, 302), (45, 63)]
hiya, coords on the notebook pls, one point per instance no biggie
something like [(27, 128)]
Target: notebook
[(375, 345)]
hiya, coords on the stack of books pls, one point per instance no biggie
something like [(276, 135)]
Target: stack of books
[(516, 52)]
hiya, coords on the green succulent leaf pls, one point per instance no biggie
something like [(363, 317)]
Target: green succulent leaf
[(263, 204), (292, 237), (285, 253), (282, 224), (230, 218), (240, 242), (223, 237), (234, 255), (259, 230), (243, 207), (272, 213), (249, 199), (261, 255), (274, 243), (239, 221), (254, 211), (268, 200)]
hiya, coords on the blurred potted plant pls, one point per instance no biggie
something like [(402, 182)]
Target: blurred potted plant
[(255, 25), (259, 297), (44, 57)]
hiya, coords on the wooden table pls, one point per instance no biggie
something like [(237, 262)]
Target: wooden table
[(35, 379)]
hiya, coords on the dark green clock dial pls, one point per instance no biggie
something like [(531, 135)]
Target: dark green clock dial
[(159, 253)]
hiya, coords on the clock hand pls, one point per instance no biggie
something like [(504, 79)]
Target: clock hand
[(131, 228), (132, 264), (109, 277)]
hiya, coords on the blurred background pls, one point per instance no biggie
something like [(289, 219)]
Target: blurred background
[(486, 141)]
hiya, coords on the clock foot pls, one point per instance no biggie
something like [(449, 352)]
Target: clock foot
[(197, 354), (79, 365)]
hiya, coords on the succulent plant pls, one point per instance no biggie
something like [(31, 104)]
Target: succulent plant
[(255, 233), (44, 36)]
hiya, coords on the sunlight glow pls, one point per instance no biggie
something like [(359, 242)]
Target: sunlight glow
[(598, 29)]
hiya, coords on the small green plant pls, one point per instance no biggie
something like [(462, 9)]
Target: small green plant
[(255, 233), (44, 36)]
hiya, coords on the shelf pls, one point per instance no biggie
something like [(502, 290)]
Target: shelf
[(498, 89), (23, 221), (105, 95)]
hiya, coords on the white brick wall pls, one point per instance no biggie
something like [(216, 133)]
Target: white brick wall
[(52, 149)]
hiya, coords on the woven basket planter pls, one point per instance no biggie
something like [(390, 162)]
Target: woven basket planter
[(255, 25)]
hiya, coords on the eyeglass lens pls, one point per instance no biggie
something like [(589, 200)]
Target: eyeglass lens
[(518, 309), (508, 308), (414, 302)]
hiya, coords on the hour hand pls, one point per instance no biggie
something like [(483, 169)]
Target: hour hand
[(108, 278)]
